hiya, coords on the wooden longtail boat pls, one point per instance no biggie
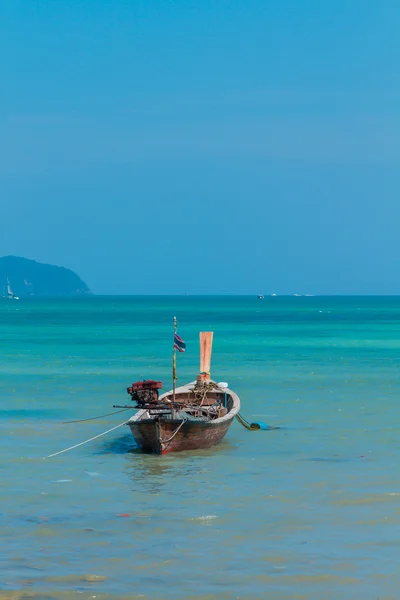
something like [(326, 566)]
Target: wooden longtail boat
[(190, 417), (185, 425)]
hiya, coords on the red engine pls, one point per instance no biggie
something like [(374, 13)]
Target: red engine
[(145, 392)]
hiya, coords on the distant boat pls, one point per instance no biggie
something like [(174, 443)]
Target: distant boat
[(191, 417), (260, 297), (8, 294)]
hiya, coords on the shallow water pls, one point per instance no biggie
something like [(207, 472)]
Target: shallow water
[(308, 511)]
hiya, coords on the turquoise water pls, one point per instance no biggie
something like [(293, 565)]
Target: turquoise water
[(308, 511)]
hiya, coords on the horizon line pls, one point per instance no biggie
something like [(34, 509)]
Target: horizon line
[(231, 295)]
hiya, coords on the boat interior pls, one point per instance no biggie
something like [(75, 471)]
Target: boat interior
[(192, 402)]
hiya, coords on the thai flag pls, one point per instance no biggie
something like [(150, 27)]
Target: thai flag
[(179, 344)]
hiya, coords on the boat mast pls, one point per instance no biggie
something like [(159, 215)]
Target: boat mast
[(174, 377), (10, 293)]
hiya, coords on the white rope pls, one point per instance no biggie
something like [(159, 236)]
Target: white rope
[(174, 434), (86, 441)]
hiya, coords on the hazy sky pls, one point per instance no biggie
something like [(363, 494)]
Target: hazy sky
[(203, 146)]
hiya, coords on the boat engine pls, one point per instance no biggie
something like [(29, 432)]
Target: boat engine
[(144, 392)]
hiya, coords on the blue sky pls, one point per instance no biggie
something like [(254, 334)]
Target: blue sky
[(203, 147)]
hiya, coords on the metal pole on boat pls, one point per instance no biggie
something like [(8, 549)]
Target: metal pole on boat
[(174, 364)]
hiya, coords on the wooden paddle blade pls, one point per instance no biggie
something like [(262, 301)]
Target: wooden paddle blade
[(206, 340)]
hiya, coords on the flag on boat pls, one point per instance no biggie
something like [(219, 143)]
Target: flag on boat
[(179, 344)]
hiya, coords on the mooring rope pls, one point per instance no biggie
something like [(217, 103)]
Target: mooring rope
[(245, 423), (200, 390), (175, 432), (85, 442), (253, 426), (100, 417)]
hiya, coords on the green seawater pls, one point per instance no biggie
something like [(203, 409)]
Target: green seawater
[(308, 511)]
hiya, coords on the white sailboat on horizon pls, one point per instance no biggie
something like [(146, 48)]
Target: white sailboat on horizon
[(8, 294)]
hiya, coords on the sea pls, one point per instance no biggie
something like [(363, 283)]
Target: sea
[(307, 510)]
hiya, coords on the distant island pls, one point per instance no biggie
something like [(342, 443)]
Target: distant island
[(24, 277)]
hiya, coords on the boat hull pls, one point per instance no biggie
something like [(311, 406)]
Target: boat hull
[(161, 436)]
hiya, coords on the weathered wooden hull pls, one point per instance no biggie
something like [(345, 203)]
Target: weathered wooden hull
[(161, 436)]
